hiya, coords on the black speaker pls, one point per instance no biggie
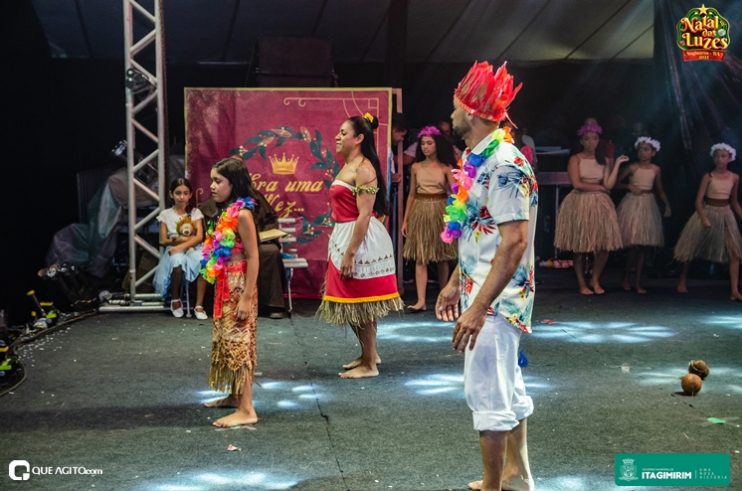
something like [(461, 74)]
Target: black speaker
[(294, 62)]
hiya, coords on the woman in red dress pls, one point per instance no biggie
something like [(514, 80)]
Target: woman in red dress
[(361, 283)]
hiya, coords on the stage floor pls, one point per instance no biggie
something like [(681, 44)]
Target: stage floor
[(122, 393)]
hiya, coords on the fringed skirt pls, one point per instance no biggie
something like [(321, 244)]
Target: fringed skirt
[(424, 226), (372, 291), (716, 243), (189, 261), (233, 342), (640, 220), (587, 222)]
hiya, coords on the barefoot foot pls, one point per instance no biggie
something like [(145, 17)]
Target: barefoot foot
[(361, 371), (357, 362), (641, 291), (598, 289), (586, 291), (682, 288), (517, 483), (626, 285), (237, 418), (417, 308), (228, 401), (735, 296)]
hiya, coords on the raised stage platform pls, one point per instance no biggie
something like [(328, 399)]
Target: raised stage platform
[(122, 393)]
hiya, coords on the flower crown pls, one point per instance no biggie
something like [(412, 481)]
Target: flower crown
[(726, 147), (429, 131), (486, 94), (590, 128), (649, 141)]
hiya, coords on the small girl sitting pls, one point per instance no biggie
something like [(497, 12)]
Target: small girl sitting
[(181, 233)]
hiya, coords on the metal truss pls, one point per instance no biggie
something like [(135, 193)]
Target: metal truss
[(146, 136)]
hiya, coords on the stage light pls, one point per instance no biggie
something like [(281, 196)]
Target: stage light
[(415, 332), (137, 82), (119, 150), (586, 332)]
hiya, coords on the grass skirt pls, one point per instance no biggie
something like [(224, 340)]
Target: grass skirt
[(713, 244), (233, 342), (424, 226), (640, 220), (372, 291), (587, 222)]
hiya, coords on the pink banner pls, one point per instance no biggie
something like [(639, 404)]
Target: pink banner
[(287, 140)]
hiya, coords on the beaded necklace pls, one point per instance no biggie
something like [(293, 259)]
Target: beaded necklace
[(221, 239), (455, 215)]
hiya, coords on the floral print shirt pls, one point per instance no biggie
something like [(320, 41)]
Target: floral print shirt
[(504, 190)]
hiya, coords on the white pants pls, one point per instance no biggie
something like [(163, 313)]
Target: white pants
[(493, 383)]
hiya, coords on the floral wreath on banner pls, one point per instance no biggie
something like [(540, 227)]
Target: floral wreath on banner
[(276, 137)]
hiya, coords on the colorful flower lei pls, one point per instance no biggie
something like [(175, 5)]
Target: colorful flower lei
[(455, 215), (221, 238)]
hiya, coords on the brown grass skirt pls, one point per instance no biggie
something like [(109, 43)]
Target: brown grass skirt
[(713, 244), (587, 222), (424, 226), (640, 220), (357, 314), (233, 342)]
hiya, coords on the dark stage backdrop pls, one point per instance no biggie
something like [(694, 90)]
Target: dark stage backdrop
[(67, 114), (697, 104)]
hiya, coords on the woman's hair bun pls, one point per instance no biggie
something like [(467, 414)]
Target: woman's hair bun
[(372, 120)]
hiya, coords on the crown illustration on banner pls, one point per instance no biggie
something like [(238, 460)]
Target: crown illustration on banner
[(283, 165)]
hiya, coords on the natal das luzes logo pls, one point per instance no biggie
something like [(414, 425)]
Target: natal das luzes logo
[(703, 34)]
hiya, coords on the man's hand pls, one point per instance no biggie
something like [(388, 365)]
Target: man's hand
[(447, 304), (467, 328)]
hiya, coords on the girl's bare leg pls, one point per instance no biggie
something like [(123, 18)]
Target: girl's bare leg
[(175, 280), (601, 258), (640, 254), (579, 266), (683, 281), (421, 285), (734, 278)]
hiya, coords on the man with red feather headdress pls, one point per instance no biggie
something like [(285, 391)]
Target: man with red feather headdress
[(492, 214)]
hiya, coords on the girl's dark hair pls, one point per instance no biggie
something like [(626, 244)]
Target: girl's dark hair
[(234, 171), (182, 181), (362, 126), (599, 152), (443, 150)]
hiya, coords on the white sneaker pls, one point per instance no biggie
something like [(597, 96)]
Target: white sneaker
[(200, 313), (177, 312)]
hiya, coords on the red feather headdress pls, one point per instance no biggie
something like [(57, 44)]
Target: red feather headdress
[(485, 94)]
